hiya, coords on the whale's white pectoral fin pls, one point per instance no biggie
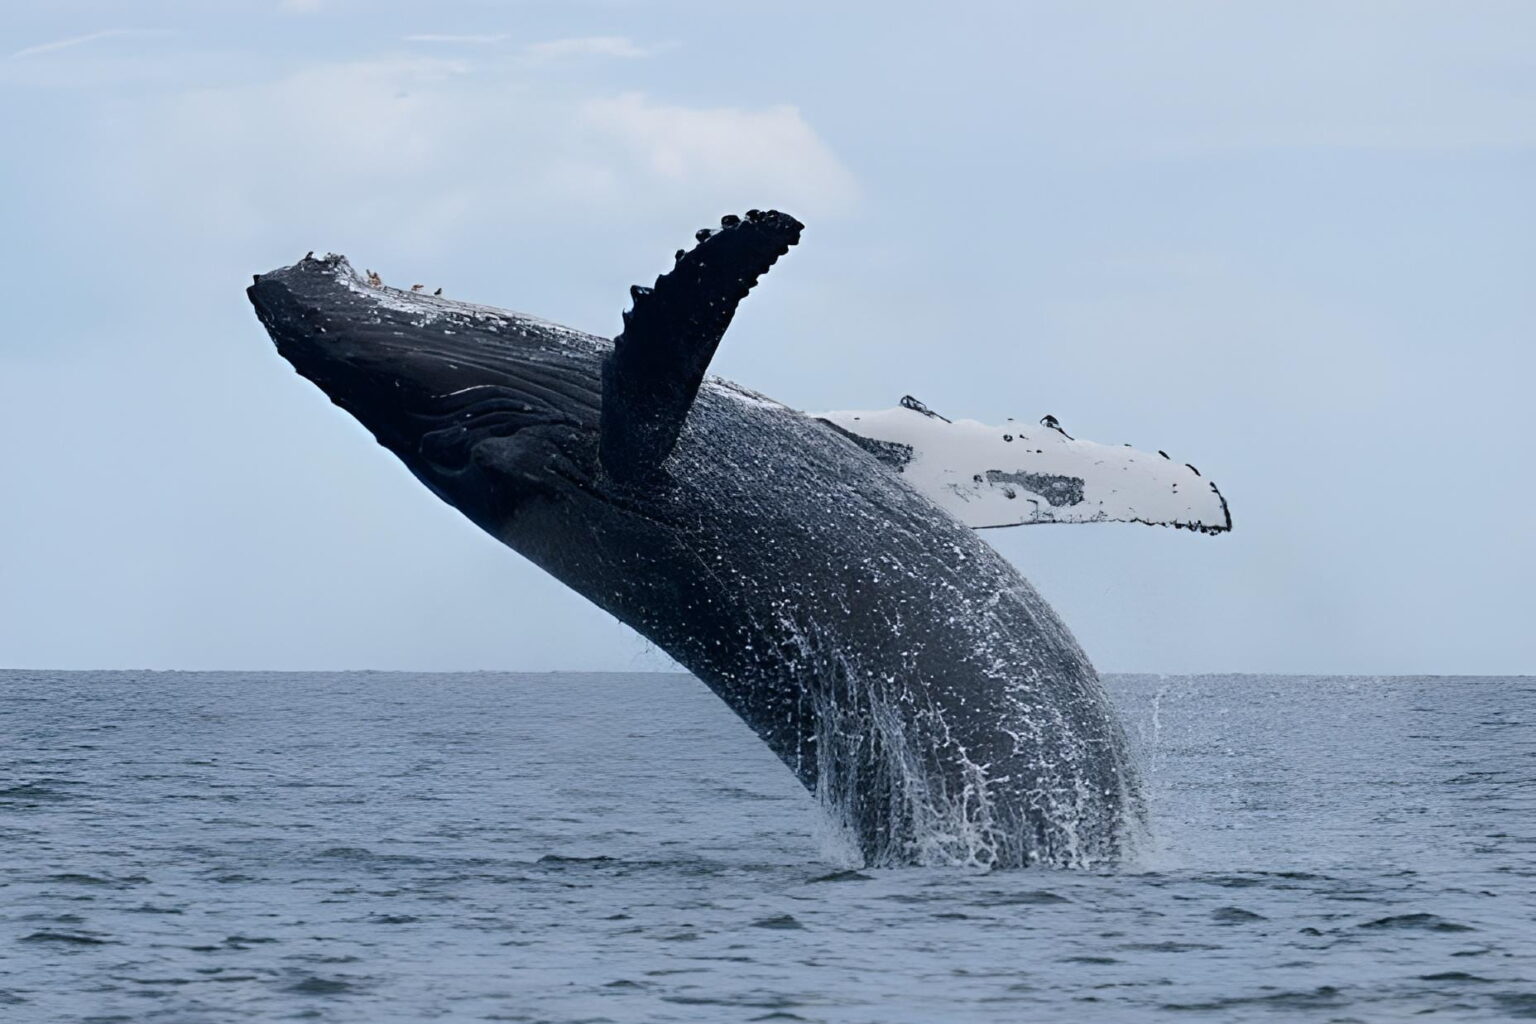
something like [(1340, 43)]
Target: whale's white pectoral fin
[(1019, 474)]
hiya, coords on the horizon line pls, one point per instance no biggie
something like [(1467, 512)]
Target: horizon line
[(685, 672)]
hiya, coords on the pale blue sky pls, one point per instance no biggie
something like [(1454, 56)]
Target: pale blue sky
[(1292, 243)]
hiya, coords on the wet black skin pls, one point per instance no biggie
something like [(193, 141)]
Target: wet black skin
[(906, 673)]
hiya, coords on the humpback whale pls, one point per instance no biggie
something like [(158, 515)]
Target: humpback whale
[(820, 572)]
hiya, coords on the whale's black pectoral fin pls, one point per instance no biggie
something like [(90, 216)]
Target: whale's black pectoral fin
[(658, 362)]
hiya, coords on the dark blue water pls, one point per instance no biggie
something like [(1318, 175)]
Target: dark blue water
[(397, 847)]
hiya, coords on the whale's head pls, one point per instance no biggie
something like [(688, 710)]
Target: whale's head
[(486, 407)]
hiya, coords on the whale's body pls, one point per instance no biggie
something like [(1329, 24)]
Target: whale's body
[(906, 673)]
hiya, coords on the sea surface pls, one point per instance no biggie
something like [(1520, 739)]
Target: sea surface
[(381, 847)]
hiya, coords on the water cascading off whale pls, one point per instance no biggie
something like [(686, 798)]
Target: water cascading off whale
[(820, 573)]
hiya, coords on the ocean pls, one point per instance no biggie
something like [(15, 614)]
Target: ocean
[(381, 847)]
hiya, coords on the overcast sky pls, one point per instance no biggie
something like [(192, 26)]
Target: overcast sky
[(1292, 243)]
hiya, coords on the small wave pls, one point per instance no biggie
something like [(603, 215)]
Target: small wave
[(1235, 915), (243, 941), (784, 922), (842, 876), (67, 938), (1235, 881), (1517, 1004), (1034, 898), (1322, 997), (361, 854), (1419, 922), (317, 986), (40, 789), (105, 881)]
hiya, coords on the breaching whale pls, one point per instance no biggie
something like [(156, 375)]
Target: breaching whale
[(821, 573)]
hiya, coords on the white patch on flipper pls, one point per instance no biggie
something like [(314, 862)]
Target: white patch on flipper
[(1016, 474)]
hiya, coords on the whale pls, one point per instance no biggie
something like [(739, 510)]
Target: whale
[(823, 574)]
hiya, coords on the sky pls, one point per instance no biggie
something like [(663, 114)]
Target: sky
[(1291, 243)]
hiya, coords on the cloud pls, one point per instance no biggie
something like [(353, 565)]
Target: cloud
[(476, 40), (72, 41), (587, 46), (548, 51), (770, 151), (425, 152)]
